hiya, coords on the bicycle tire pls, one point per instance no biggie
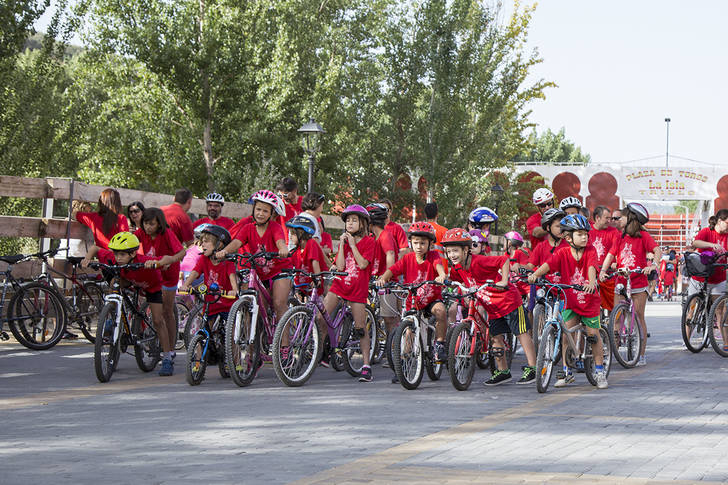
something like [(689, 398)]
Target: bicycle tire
[(381, 341), (90, 303), (146, 345), (196, 361), (624, 341), (434, 369), (483, 359), (353, 356), (106, 350), (304, 354), (460, 361), (508, 339), (694, 319), (388, 348), (407, 355), (243, 358), (714, 325), (539, 320), (182, 311), (590, 364), (192, 324), (32, 310), (544, 358)]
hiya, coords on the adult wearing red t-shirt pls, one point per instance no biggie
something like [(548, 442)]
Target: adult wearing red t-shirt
[(602, 237), (177, 219), (215, 202), (107, 221), (543, 199), (385, 255), (400, 237), (287, 190)]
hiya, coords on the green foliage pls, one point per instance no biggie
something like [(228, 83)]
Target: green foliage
[(553, 148)]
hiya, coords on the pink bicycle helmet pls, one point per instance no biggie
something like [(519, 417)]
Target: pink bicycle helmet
[(514, 238), (355, 209), (270, 198)]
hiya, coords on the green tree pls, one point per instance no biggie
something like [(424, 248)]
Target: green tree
[(553, 148)]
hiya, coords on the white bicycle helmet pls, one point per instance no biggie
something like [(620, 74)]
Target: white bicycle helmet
[(542, 195), (270, 198), (317, 233), (215, 197), (639, 211), (569, 202)]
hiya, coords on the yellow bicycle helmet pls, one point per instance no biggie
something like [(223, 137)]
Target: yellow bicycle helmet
[(124, 241)]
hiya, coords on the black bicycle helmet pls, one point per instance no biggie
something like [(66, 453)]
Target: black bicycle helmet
[(378, 213), (222, 234), (303, 223), (639, 211), (574, 222), (550, 216)]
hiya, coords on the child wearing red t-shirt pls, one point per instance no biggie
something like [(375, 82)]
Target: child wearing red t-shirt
[(307, 252), (385, 255), (156, 240), (423, 264), (503, 304), (123, 249), (578, 266), (356, 252), (216, 272), (265, 234)]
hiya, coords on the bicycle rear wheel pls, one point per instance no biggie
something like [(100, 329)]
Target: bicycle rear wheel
[(193, 322), (718, 326), (242, 356), (37, 316), (146, 345), (407, 355), (106, 349), (460, 361), (90, 301), (693, 328), (545, 358), (625, 335), (353, 356), (434, 369), (295, 363)]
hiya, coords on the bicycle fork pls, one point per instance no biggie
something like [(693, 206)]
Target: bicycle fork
[(116, 299), (254, 308)]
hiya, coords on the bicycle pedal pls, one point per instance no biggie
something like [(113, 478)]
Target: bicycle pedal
[(4, 336), (592, 339)]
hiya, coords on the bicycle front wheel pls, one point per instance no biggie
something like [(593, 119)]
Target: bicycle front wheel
[(545, 358), (460, 360), (196, 360), (717, 326), (693, 327), (539, 320), (296, 346), (106, 349), (625, 335), (407, 355), (242, 356), (37, 316), (433, 368)]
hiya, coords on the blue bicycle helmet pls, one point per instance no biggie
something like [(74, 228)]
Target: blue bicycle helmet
[(303, 223), (575, 222), (482, 215)]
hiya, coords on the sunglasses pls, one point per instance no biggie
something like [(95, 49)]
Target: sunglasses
[(615, 218), (321, 198), (134, 211), (545, 204)]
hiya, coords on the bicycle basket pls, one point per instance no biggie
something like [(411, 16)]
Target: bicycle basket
[(697, 265)]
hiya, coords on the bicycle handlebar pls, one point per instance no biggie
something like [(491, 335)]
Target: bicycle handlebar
[(117, 267)]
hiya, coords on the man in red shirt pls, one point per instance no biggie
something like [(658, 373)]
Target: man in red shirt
[(287, 190), (177, 219), (395, 230), (602, 237), (215, 202), (543, 199)]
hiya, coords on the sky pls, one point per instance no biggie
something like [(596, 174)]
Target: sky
[(622, 67)]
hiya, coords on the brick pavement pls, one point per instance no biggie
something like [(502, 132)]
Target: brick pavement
[(662, 422)]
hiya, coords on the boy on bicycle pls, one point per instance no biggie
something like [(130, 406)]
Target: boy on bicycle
[(578, 265), (502, 303)]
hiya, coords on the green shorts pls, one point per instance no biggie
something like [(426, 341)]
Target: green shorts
[(592, 322)]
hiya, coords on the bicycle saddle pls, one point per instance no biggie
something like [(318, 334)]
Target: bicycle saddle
[(12, 259), (74, 259)]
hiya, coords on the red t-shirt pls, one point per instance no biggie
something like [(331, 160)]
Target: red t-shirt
[(415, 272), (326, 241), (95, 222), (304, 258), (575, 272), (602, 240), (220, 274), (148, 279), (165, 244), (497, 302), (179, 222), (400, 237), (631, 252), (355, 286), (541, 255), (709, 235), (221, 221), (292, 210), (253, 243), (239, 225), (531, 223), (385, 242), (521, 258)]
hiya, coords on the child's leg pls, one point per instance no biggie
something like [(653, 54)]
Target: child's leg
[(519, 324), (569, 324), (530, 351), (330, 302), (440, 313), (640, 300), (498, 348), (280, 288), (597, 347), (168, 297), (159, 325), (358, 311)]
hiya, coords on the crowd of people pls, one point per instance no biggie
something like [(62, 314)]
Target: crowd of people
[(567, 244)]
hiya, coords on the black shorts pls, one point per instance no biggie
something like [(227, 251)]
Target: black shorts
[(155, 297), (516, 322)]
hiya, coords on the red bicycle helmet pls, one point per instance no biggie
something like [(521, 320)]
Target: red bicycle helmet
[(456, 237), (422, 228)]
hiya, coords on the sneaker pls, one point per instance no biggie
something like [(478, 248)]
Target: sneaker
[(174, 354), (564, 379), (580, 366), (366, 374), (385, 364), (69, 336), (167, 368), (499, 377), (529, 375), (440, 353), (395, 379), (641, 362), (602, 380), (325, 360)]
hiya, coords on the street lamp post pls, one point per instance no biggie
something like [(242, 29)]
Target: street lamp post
[(312, 132), (498, 194), (667, 143)]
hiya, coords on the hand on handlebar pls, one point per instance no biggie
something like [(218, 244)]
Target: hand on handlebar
[(590, 288), (151, 263)]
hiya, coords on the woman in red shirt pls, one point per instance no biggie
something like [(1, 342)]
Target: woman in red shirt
[(107, 221)]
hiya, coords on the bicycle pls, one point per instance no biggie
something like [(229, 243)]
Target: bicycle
[(35, 313), (626, 339), (578, 346), (413, 343), (207, 344), (295, 363), (123, 322), (470, 338), (83, 304)]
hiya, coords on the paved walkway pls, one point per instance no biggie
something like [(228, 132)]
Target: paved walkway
[(663, 422)]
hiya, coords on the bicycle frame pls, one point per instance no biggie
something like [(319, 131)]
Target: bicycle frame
[(255, 295)]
